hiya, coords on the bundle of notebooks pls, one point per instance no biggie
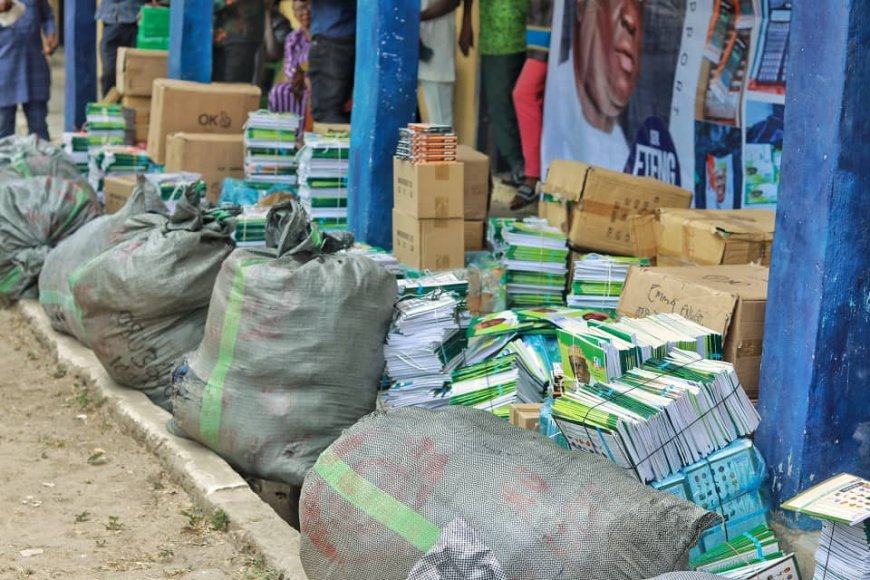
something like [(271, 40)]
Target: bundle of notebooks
[(843, 504), (382, 257), (117, 160), (489, 386), (536, 263), (598, 280), (323, 169), (495, 227), (251, 226), (427, 143), (270, 148), (537, 358), (76, 146), (664, 415), (107, 124), (172, 186), (753, 555)]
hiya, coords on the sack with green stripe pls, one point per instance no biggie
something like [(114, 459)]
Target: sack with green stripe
[(74, 253), (36, 214), (143, 302), (381, 496), (293, 350)]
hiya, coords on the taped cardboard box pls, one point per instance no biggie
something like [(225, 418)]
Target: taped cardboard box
[(117, 189), (141, 107), (215, 157), (331, 128), (475, 232), (728, 299), (526, 415), (427, 191), (137, 70), (602, 201), (428, 244), (187, 107), (705, 237), (556, 211), (476, 177)]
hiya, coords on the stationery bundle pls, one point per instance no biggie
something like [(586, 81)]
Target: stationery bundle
[(323, 169), (490, 385), (598, 280), (754, 554), (535, 263), (270, 147), (427, 143)]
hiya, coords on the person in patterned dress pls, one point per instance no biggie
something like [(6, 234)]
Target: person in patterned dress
[(292, 96)]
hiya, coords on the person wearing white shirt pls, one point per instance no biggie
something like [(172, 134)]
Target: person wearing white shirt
[(437, 70)]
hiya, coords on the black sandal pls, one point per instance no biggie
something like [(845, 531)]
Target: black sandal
[(525, 196)]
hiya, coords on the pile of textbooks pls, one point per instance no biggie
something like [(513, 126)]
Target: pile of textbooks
[(536, 263), (427, 143), (658, 418), (106, 124), (495, 227), (599, 279), (323, 170), (76, 146), (843, 504), (172, 186), (117, 160), (490, 385), (751, 555), (251, 226), (270, 148), (537, 357)]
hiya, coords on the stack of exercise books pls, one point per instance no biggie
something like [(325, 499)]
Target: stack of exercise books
[(843, 504), (76, 146), (489, 386), (495, 228), (251, 226), (323, 169), (598, 280), (172, 186), (427, 143), (658, 418), (752, 555), (107, 124), (117, 160), (536, 263), (537, 358), (382, 257), (270, 148)]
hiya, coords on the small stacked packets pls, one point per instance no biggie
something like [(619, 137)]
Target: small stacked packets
[(427, 143), (535, 262), (323, 168), (270, 148), (599, 280)]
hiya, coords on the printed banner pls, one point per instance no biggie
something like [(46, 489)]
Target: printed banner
[(690, 92)]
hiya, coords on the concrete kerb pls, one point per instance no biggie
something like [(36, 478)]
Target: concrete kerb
[(209, 479)]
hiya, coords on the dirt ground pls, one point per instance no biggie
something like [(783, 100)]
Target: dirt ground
[(81, 499)]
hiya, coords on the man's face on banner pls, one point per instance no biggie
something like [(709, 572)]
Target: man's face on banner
[(607, 43)]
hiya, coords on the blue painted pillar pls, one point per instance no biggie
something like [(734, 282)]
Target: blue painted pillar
[(80, 48), (815, 376), (190, 39), (384, 99)]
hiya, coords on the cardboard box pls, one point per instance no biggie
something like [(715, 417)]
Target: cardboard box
[(186, 107), (727, 299), (137, 70), (526, 415), (335, 128), (427, 191), (603, 200), (117, 189), (215, 157), (557, 212), (705, 236), (141, 107), (475, 232), (477, 181), (428, 244)]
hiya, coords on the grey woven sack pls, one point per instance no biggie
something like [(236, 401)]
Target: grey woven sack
[(143, 302), (380, 496), (292, 354), (36, 214), (690, 576), (74, 253), (32, 157)]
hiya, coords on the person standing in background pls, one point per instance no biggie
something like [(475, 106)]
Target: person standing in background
[(437, 70), (332, 59), (239, 26), (503, 54), (120, 20), (292, 95), (26, 79), (529, 97)]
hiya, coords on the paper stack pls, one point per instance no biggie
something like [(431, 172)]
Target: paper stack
[(427, 143), (754, 554), (251, 226), (598, 280), (76, 146), (843, 503), (660, 417), (107, 125), (117, 160), (323, 170), (535, 263), (536, 357), (270, 148), (490, 385), (382, 257), (495, 228)]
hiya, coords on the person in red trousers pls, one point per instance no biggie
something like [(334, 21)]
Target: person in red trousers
[(529, 97)]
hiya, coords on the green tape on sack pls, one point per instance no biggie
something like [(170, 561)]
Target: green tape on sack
[(384, 508), (10, 280), (82, 200)]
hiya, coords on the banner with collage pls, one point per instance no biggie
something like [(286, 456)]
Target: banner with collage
[(690, 92)]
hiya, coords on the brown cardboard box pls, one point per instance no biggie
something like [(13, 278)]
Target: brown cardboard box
[(603, 200), (428, 191), (117, 189), (138, 69), (335, 128), (705, 236), (526, 415), (141, 107), (727, 299), (212, 156), (475, 231), (428, 244), (476, 178), (186, 107), (557, 213)]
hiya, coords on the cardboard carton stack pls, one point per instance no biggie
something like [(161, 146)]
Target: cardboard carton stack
[(428, 214), (476, 195), (137, 69)]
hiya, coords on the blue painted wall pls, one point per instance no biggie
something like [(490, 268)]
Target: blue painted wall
[(190, 40), (80, 47), (384, 99), (815, 379)]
